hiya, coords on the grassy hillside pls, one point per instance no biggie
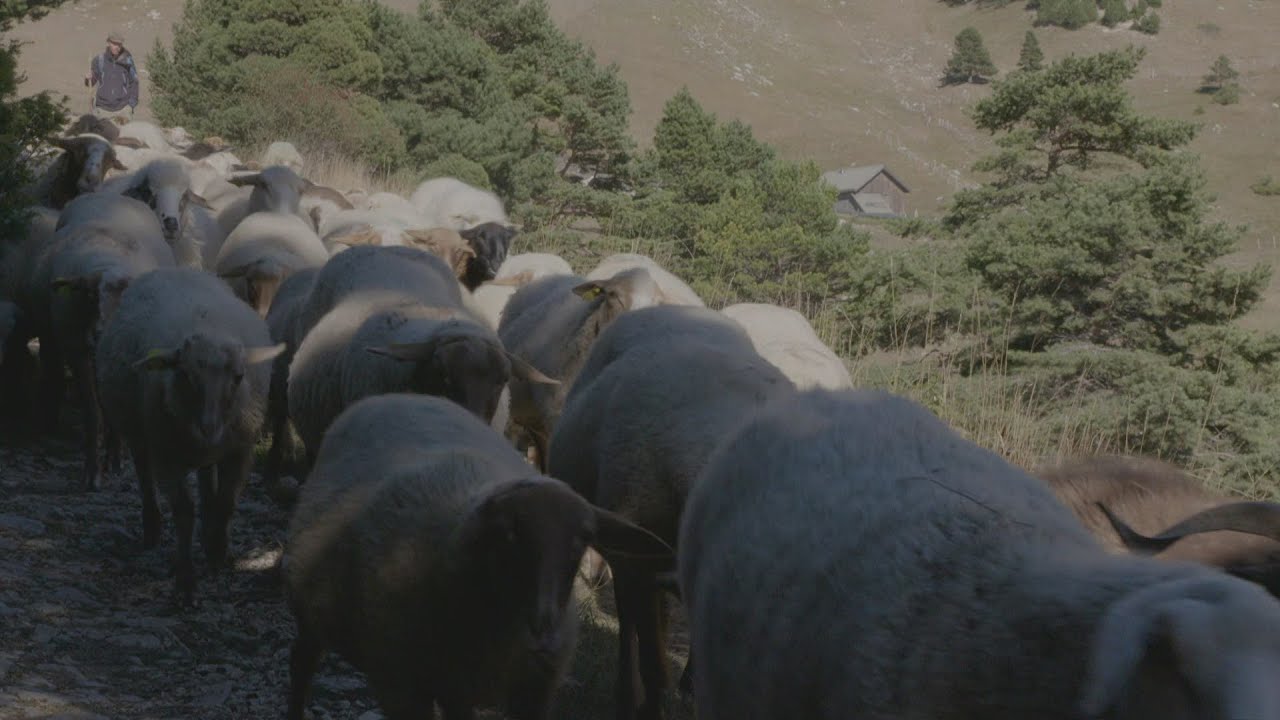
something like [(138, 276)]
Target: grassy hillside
[(854, 82)]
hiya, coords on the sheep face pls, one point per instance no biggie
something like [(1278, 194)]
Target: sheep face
[(628, 290), (275, 189), (170, 203), (528, 540), (84, 304), (204, 385), (490, 242), (1186, 648), (93, 155)]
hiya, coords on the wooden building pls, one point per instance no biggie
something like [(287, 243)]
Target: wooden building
[(869, 190)]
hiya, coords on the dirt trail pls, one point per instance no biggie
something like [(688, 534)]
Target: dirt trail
[(88, 628)]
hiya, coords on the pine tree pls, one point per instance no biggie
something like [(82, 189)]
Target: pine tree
[(1032, 57), (970, 62), (1221, 74)]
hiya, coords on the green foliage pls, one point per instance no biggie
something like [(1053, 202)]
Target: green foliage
[(1211, 29), (225, 49), (1220, 82), (1149, 24), (970, 62), (1066, 114), (1227, 95), (1122, 261), (1031, 57), (1266, 186), (698, 157), (24, 121), (1114, 12), (1155, 3), (1070, 14)]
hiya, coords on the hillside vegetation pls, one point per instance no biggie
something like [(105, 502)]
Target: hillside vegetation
[(1076, 294)]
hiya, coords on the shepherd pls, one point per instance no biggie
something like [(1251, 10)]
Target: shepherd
[(115, 77)]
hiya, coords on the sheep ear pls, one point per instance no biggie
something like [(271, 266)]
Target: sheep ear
[(366, 236), (198, 199), (253, 179), (129, 142), (158, 359), (621, 541), (458, 259), (263, 353), (525, 371), (520, 279), (114, 163), (1173, 612)]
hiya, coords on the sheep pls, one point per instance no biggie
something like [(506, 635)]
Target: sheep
[(490, 242), (551, 323), (183, 368), (276, 188), (319, 202), (283, 154), (165, 184), (675, 289), (1162, 500), (18, 258), (149, 134), (178, 138), (81, 169), (283, 326), (349, 228), (349, 289), (660, 388), (90, 123), (262, 251), (88, 267), (395, 207), (515, 272), (847, 554), (785, 338), (424, 543), (452, 203), (100, 239)]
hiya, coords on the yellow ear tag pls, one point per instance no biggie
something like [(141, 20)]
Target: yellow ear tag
[(590, 293)]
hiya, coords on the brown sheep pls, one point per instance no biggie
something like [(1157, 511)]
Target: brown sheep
[(1148, 506)]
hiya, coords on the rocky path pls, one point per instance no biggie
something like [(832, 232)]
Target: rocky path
[(88, 627)]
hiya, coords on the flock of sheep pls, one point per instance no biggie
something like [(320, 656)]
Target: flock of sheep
[(472, 423)]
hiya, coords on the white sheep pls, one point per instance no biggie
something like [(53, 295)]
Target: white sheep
[(515, 272), (424, 542), (785, 338), (397, 208), (149, 134), (187, 218), (285, 154), (452, 203), (676, 290), (662, 386), (262, 251), (551, 323), (847, 554), (183, 370)]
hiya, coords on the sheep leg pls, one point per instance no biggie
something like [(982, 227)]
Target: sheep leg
[(208, 476), (304, 659), (52, 383), (184, 520), (147, 489), (281, 438), (625, 693), (84, 377), (651, 642), (686, 677), (112, 441), (232, 476)]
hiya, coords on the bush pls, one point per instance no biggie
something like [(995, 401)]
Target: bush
[(1227, 95), (1266, 186), (1070, 14), (1149, 24), (460, 167), (1114, 12)]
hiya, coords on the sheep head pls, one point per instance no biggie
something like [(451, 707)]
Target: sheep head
[(490, 242), (89, 157), (527, 539), (87, 302), (165, 185), (204, 381), (631, 289)]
